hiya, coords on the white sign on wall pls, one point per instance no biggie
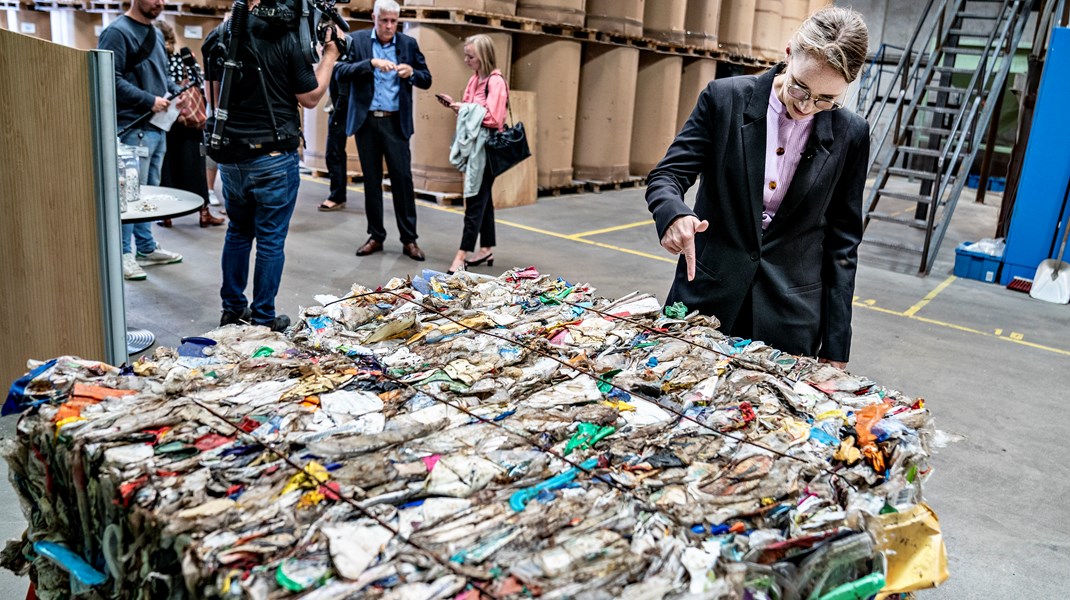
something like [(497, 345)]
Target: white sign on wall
[(28, 28), (192, 32)]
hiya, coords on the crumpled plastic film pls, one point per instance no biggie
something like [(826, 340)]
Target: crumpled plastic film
[(461, 437)]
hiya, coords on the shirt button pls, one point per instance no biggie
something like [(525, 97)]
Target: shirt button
[(780, 152), (772, 185), (754, 256)]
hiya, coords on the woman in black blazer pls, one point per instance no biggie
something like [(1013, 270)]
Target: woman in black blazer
[(770, 247)]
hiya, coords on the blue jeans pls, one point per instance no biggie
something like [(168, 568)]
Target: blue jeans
[(149, 174), (260, 194)]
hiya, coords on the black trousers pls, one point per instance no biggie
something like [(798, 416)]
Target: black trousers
[(335, 155), (379, 138), (479, 216)]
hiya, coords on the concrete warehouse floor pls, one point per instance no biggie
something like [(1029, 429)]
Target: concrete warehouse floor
[(992, 364)]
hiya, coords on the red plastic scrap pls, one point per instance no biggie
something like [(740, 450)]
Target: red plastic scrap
[(211, 440), (747, 411), (128, 489)]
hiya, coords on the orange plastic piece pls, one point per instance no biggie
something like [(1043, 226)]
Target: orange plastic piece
[(865, 419)]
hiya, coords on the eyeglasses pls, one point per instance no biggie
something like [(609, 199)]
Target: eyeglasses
[(802, 94)]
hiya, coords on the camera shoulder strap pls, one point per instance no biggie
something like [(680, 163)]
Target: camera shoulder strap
[(143, 51)]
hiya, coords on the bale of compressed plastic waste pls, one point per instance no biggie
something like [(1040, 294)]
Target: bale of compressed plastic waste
[(468, 437)]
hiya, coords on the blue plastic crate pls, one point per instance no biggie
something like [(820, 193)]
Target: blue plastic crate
[(995, 184), (976, 265)]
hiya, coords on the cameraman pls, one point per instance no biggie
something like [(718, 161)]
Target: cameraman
[(258, 156)]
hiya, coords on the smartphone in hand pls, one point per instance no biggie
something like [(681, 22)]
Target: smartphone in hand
[(443, 99)]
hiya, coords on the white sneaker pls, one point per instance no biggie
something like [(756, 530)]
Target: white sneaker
[(159, 256), (131, 270), (213, 199)]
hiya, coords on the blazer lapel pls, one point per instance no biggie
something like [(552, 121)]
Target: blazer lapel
[(808, 173), (753, 132)]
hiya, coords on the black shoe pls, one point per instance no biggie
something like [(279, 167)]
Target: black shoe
[(489, 259), (280, 323), (236, 318)]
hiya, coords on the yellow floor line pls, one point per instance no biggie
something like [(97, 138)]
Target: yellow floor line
[(583, 234), (961, 328), (910, 312)]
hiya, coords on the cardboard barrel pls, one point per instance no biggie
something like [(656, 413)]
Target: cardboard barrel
[(605, 112), (657, 94), (623, 17), (550, 67), (434, 125), (815, 5), (663, 20), (315, 152), (497, 7), (766, 40), (695, 76), (737, 27), (557, 12), (795, 12), (701, 23)]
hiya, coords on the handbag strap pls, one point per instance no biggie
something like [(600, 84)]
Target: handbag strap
[(486, 91)]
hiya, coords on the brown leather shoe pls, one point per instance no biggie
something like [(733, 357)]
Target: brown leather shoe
[(413, 251), (370, 247)]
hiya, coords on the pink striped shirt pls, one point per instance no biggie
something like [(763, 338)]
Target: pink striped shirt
[(785, 141)]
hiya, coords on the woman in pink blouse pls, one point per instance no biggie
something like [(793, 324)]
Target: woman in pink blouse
[(488, 89)]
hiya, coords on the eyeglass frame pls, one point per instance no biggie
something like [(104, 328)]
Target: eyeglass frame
[(807, 96)]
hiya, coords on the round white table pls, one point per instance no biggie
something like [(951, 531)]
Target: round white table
[(156, 203)]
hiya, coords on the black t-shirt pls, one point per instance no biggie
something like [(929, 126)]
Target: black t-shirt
[(286, 74)]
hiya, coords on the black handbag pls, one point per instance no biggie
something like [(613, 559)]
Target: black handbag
[(507, 147)]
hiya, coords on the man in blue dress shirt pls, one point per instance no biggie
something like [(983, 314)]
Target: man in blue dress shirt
[(384, 65)]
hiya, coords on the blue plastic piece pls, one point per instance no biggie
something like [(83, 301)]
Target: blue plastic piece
[(822, 437), (194, 346), (698, 529), (17, 401), (519, 500), (70, 562)]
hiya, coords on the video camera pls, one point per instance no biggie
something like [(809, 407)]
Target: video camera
[(313, 19)]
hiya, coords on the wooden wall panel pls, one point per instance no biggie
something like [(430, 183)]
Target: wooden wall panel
[(52, 287)]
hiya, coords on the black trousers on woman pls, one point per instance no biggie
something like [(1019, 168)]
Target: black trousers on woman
[(479, 216)]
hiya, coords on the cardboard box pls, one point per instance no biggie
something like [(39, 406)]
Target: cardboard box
[(663, 20), (605, 112), (622, 17), (497, 7), (976, 265), (550, 67), (737, 27), (657, 95), (766, 42), (190, 32), (434, 125), (701, 23), (696, 75), (563, 12), (519, 186)]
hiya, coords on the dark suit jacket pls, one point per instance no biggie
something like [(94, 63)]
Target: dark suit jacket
[(358, 75), (800, 271)]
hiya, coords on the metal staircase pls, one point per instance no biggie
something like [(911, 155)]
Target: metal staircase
[(930, 126)]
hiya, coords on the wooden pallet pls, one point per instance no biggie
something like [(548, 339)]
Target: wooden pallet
[(440, 198), (592, 186)]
